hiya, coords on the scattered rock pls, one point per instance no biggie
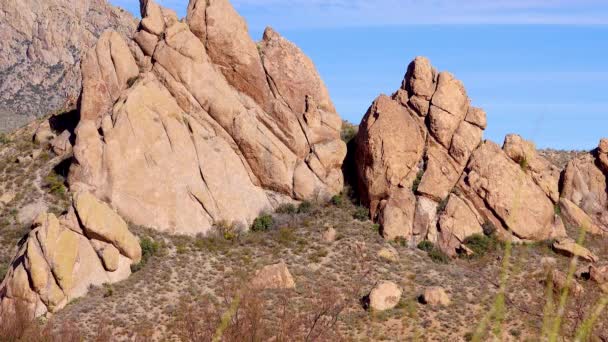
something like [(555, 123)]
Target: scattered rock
[(577, 218), (569, 248), (389, 253), (560, 282), (7, 197), (24, 159), (548, 263), (329, 235), (436, 296), (384, 296), (61, 263), (61, 145), (275, 276), (44, 135), (599, 274)]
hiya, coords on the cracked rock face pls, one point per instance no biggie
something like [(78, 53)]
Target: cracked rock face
[(201, 124), (62, 257), (585, 186), (42, 44), (425, 172)]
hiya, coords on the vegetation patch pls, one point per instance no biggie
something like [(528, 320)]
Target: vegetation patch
[(262, 223)]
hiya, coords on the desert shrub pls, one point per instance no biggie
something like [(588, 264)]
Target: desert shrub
[(481, 244), (349, 132), (4, 139), (149, 248), (55, 184), (417, 181), (3, 271), (108, 290), (426, 245), (226, 230), (436, 254), (439, 256), (361, 214), (241, 314), (337, 200), (287, 208), (442, 205), (262, 223), (523, 164), (557, 209), (305, 207)]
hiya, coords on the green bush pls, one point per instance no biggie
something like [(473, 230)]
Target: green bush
[(3, 271), (361, 214), (149, 248), (426, 246), (55, 184), (557, 209), (287, 208), (524, 164), (481, 244), (436, 254), (442, 205), (262, 223), (305, 207), (226, 230), (349, 132), (417, 181), (337, 200), (4, 139)]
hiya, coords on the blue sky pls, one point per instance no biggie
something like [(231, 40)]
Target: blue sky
[(538, 67)]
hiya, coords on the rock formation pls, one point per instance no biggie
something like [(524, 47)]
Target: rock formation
[(585, 186), (200, 124), (62, 257), (425, 172), (42, 43)]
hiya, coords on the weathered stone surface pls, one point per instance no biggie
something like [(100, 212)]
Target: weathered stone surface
[(436, 296), (577, 218), (44, 135), (396, 215), (158, 142), (545, 175), (102, 223), (384, 296), (585, 185), (441, 174), (458, 221), (61, 144), (560, 282), (57, 263), (570, 248), (477, 117), (390, 145), (275, 276), (42, 43), (510, 193), (449, 106)]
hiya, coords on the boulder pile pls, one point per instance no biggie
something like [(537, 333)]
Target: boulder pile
[(200, 124), (426, 174), (62, 257)]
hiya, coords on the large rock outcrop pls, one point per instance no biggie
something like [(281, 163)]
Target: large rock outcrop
[(425, 172), (62, 257), (585, 185), (200, 124), (42, 43)]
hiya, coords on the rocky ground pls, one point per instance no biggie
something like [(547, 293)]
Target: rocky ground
[(188, 282)]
